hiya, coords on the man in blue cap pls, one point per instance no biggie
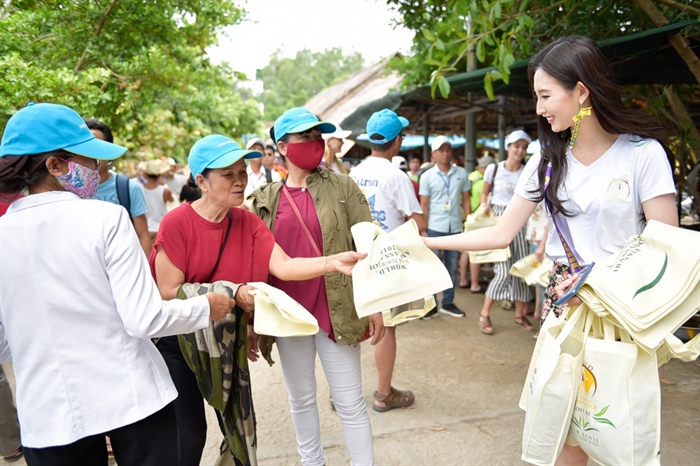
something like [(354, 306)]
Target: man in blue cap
[(392, 200)]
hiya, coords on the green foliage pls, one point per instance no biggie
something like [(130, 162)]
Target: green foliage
[(290, 82), (139, 66), (503, 31)]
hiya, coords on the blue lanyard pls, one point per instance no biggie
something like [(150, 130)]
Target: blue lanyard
[(446, 181)]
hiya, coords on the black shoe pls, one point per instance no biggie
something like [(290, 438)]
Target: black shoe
[(451, 310), (430, 314)]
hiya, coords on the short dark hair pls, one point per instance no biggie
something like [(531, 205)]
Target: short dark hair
[(100, 126), (380, 147)]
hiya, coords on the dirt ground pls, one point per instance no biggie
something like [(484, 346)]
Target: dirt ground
[(466, 384)]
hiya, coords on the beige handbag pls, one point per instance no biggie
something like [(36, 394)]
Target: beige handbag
[(651, 287), (398, 269), (278, 315), (531, 271), (480, 219)]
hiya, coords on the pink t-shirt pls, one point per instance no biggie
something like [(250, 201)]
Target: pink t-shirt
[(192, 243), (291, 237)]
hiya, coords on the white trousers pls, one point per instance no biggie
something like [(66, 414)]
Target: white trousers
[(341, 364)]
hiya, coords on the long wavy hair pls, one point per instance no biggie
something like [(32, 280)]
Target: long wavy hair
[(573, 59)]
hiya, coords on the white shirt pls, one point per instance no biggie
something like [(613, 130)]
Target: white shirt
[(176, 183), (255, 181), (77, 308), (503, 187), (606, 196), (388, 190), (156, 207)]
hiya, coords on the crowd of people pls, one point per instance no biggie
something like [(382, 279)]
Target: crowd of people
[(104, 369)]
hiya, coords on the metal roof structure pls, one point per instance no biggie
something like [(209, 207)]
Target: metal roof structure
[(640, 58)]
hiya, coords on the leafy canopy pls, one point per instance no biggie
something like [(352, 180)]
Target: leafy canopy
[(139, 66), (290, 82), (503, 31)]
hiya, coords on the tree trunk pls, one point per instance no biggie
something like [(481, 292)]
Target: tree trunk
[(685, 121), (678, 43)]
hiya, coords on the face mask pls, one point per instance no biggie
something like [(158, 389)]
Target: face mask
[(306, 155), (80, 180)]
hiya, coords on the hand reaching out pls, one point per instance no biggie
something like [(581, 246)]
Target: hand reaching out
[(344, 262)]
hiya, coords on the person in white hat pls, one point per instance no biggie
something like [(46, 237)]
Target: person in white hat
[(444, 198), (258, 174), (157, 194), (334, 142), (500, 181)]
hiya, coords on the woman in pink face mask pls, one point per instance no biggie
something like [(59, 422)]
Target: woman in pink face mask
[(78, 306), (310, 214)]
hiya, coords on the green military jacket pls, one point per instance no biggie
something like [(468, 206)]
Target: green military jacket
[(339, 205)]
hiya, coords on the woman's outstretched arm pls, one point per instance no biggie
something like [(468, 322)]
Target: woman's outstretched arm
[(496, 237)]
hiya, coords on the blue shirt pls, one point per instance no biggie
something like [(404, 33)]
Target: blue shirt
[(445, 190), (107, 191)]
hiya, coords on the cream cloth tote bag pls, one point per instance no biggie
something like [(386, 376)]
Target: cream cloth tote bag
[(480, 219), (278, 315), (531, 271), (398, 269)]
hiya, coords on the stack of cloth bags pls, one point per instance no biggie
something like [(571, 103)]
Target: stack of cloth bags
[(650, 289)]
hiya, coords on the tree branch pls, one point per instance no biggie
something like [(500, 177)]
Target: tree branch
[(678, 43), (98, 30), (679, 6)]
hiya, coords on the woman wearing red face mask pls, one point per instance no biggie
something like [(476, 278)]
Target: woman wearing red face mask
[(310, 214)]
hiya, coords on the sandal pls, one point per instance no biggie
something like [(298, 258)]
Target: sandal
[(485, 324), (524, 323), (395, 399), (480, 290)]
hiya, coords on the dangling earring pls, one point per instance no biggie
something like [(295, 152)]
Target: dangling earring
[(582, 112)]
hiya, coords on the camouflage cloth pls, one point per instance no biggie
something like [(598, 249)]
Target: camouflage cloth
[(217, 356)]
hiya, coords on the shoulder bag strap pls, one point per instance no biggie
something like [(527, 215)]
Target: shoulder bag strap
[(221, 249), (301, 220)]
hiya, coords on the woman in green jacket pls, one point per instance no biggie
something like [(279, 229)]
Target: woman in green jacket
[(310, 214)]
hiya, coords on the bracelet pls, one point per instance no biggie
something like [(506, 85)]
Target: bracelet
[(325, 269)]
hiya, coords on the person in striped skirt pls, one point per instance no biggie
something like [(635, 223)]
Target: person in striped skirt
[(500, 180)]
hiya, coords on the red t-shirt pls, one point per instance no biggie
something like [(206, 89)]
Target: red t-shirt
[(192, 243), (289, 235), (3, 208)]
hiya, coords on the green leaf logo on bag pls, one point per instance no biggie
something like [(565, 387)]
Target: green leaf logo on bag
[(656, 280), (588, 416)]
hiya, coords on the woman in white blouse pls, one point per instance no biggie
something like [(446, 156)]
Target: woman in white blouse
[(78, 305)]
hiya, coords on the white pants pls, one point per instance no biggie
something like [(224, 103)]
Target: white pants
[(341, 364)]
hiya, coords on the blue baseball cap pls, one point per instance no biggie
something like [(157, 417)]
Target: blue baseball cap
[(387, 124), (217, 151), (39, 128), (298, 120)]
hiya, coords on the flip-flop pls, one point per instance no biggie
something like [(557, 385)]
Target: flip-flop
[(480, 290)]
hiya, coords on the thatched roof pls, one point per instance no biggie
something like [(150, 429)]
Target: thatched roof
[(337, 102)]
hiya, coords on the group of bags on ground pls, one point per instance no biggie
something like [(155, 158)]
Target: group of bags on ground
[(593, 378)]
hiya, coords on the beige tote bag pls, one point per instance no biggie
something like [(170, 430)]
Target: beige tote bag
[(398, 269), (531, 271), (278, 315)]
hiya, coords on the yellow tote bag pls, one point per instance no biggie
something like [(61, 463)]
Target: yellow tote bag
[(398, 269), (278, 315)]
